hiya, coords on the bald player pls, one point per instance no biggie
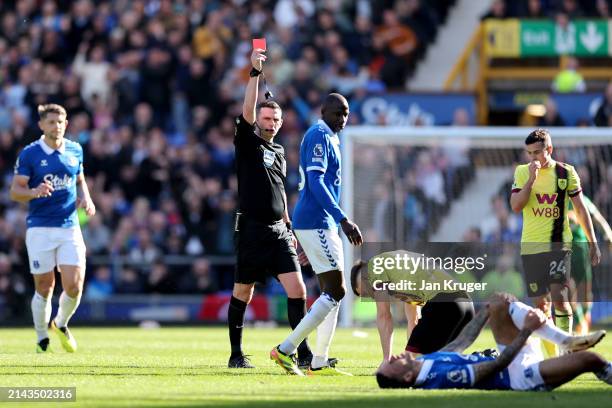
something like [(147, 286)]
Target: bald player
[(315, 221)]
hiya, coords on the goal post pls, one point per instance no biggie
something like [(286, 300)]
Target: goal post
[(375, 164)]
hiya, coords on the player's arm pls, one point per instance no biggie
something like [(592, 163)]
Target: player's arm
[(412, 316), (521, 188), (316, 181), (252, 88), (21, 191), (469, 333), (600, 221), (384, 323), (582, 215), (584, 219), (482, 371), (83, 197)]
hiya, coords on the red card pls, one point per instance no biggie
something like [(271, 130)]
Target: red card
[(259, 43)]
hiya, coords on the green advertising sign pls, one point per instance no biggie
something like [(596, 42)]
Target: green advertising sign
[(537, 38), (592, 37), (544, 38)]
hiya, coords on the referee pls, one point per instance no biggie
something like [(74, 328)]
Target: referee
[(264, 242)]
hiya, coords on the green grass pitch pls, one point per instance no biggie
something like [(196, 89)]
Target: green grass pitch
[(186, 367)]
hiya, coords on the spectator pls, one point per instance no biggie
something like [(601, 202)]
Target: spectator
[(603, 115), (200, 280), (552, 116), (100, 286), (569, 79), (497, 10)]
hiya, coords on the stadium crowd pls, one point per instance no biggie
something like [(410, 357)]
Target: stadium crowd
[(152, 89)]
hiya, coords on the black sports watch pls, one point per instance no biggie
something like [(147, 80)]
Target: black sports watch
[(254, 72)]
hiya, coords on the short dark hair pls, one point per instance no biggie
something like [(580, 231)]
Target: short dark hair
[(268, 104), (44, 110), (388, 382), (354, 273), (537, 136)]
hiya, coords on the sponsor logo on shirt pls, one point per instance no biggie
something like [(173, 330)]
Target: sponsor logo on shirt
[(59, 183)]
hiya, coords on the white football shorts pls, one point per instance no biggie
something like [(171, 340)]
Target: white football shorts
[(323, 247), (524, 371), (49, 247)]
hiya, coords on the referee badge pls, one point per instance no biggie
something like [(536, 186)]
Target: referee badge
[(533, 287), (268, 158), (562, 183)]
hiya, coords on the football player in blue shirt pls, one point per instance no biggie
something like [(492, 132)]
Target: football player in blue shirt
[(49, 177), (520, 366), (316, 218)]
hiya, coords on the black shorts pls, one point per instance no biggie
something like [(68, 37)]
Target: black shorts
[(442, 319), (263, 250), (543, 269)]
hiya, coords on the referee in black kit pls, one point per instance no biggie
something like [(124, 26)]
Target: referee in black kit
[(264, 242)]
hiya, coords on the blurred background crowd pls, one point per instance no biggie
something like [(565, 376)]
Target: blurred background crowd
[(151, 88)]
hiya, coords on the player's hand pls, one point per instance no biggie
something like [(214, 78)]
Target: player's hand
[(257, 58), (302, 258), (351, 230), (534, 170), (88, 205), (535, 319), (594, 253), (44, 189)]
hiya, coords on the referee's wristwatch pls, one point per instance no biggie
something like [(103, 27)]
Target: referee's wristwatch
[(254, 72)]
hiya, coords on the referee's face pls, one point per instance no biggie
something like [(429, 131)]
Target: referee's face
[(269, 121)]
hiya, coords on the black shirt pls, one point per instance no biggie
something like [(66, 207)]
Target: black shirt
[(261, 171)]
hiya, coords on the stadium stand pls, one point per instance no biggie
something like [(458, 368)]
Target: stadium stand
[(151, 89)]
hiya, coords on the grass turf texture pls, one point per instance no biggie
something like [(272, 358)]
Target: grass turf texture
[(187, 367)]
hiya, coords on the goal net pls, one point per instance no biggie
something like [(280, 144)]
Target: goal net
[(453, 184)]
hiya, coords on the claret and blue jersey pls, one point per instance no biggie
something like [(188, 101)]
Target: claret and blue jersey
[(59, 167), (443, 370), (320, 180)]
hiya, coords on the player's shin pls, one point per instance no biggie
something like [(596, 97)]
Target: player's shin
[(296, 310), (318, 312), (41, 314), (235, 322), (325, 333), (67, 307), (518, 311)]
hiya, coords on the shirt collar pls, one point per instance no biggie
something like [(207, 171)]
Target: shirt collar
[(425, 369), (327, 128), (49, 150)]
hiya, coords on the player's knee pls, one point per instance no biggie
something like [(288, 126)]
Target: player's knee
[(296, 291), (337, 292), (243, 292), (592, 361), (74, 290)]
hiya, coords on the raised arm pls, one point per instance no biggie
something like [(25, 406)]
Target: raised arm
[(522, 189), (469, 333), (252, 88)]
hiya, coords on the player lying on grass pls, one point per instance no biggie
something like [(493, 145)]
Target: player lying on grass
[(444, 312), (520, 365)]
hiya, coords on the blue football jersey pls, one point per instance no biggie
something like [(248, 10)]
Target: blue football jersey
[(60, 167), (453, 370), (319, 152)]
